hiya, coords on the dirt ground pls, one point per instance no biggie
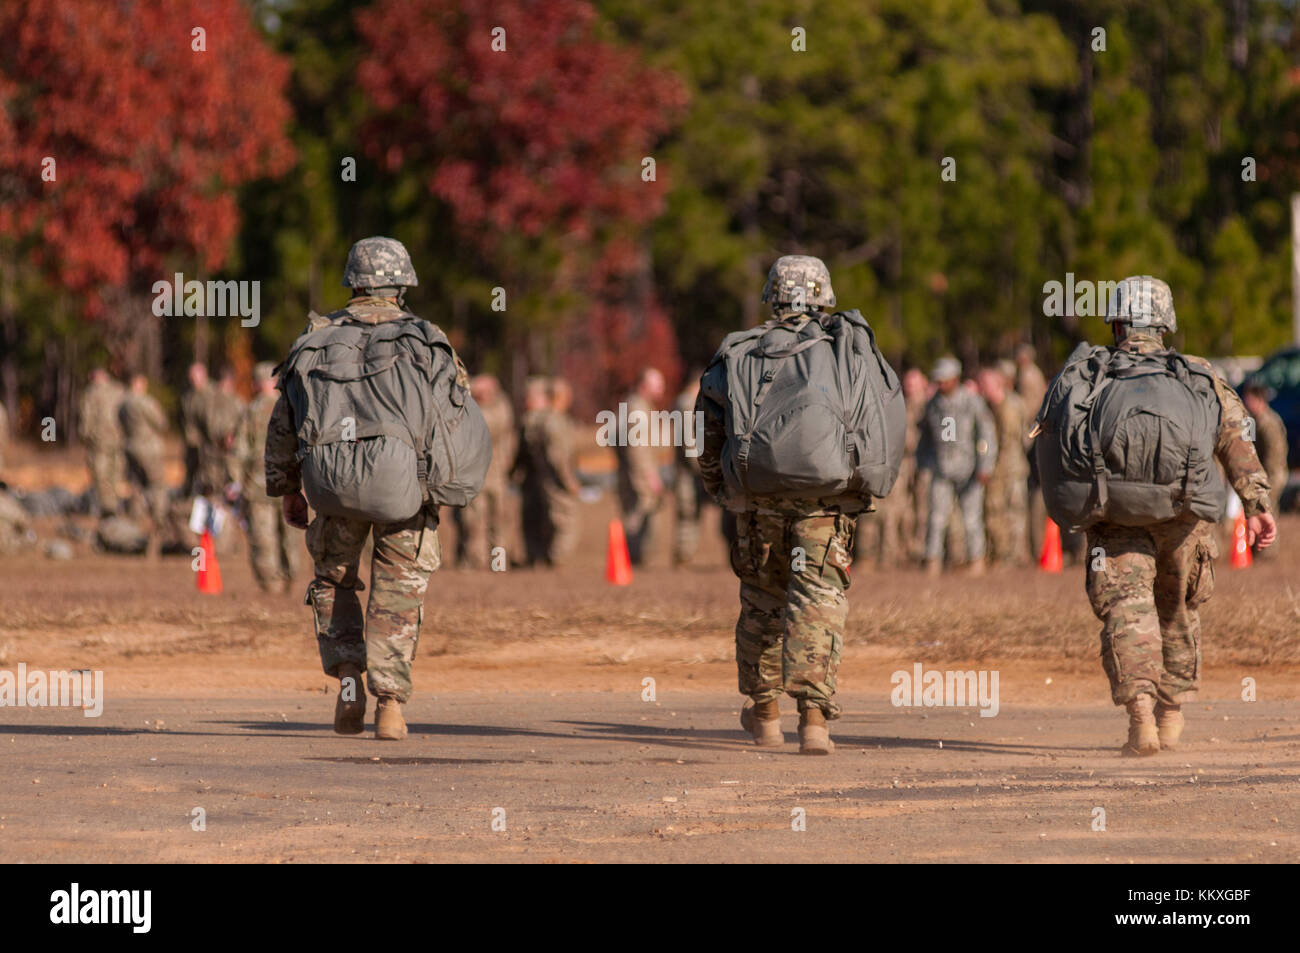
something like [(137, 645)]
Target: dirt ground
[(530, 699)]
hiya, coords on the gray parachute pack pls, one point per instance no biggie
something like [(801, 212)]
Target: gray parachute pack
[(384, 426), (1129, 439), (810, 411)]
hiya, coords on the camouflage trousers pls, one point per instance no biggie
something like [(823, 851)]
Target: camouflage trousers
[(272, 546), (105, 467), (550, 518), (384, 639), (1006, 517), (688, 497), (794, 576), (638, 515), (484, 525), (1145, 584), (970, 497)]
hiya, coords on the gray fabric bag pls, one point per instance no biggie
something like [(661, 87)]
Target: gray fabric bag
[(810, 413), (383, 425), (1129, 439)]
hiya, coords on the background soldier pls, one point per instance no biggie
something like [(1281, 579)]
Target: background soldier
[(486, 523), (958, 445), (383, 641), (792, 555), (1031, 385), (544, 467), (562, 440), (221, 415), (271, 546), (144, 429), (640, 487), (1152, 579), (1006, 498), (194, 413), (101, 433), (1270, 440)]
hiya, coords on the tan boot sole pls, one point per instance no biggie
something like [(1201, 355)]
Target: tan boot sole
[(815, 739), (766, 734), (1170, 730), (390, 725)]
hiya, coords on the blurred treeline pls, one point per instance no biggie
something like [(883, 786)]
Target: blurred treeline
[(1172, 151)]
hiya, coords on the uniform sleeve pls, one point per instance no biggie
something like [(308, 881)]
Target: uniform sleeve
[(1235, 448), (282, 474), (713, 438)]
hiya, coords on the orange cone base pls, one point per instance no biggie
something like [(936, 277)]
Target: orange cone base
[(618, 566)]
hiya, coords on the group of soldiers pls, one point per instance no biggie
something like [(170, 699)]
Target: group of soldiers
[(124, 431)]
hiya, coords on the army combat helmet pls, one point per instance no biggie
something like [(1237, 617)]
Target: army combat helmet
[(379, 263), (799, 282), (1143, 303)]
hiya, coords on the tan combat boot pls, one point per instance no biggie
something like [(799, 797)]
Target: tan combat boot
[(1143, 738), (933, 567), (389, 723), (350, 716), (763, 721), (814, 736), (1169, 723)]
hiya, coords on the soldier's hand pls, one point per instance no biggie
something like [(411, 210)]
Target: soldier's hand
[(1261, 530), (294, 508)]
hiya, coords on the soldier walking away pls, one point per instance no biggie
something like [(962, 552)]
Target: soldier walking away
[(784, 450), (958, 446), (1126, 445), (1006, 497), (375, 427), (144, 429), (1270, 440), (194, 414), (640, 488), (487, 522), (101, 433), (272, 548)]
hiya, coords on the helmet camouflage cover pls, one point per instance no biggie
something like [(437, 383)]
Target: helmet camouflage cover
[(379, 262), (801, 281), (1141, 302)]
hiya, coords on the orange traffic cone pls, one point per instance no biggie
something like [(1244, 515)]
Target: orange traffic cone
[(209, 574), (1241, 558), (618, 567), (1050, 559)]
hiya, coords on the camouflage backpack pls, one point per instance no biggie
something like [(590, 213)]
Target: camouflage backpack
[(810, 411), (1129, 438), (384, 424)]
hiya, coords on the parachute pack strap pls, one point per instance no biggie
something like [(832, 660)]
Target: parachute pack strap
[(363, 371), (764, 385), (1099, 476), (795, 349)]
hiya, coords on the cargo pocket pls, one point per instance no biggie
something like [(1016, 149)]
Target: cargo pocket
[(839, 553), (1200, 581)]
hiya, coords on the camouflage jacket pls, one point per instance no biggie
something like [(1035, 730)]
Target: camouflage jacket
[(249, 450), (194, 415), (282, 461), (958, 436), (1234, 445), (500, 421), (1271, 446), (546, 451), (144, 425), (1012, 421), (101, 425)]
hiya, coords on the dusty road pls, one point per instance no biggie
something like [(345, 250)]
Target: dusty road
[(529, 698)]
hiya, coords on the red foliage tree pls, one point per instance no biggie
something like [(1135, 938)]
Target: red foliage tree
[(542, 140), (149, 136)]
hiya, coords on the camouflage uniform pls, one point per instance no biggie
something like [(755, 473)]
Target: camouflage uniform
[(688, 489), (382, 641), (101, 433), (271, 545), (1150, 580), (194, 415), (792, 559), (486, 523), (144, 427), (549, 486), (954, 465), (220, 421), (637, 467), (1031, 385), (1006, 497), (1271, 447)]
